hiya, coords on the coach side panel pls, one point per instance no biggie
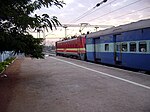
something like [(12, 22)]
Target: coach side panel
[(135, 48)]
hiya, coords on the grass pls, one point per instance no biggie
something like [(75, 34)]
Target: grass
[(5, 63)]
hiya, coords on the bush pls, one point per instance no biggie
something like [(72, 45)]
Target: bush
[(9, 59), (1, 68), (4, 64)]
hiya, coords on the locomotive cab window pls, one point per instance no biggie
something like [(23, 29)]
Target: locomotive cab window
[(106, 47), (133, 47), (124, 47), (142, 47)]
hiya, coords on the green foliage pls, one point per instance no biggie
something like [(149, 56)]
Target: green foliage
[(4, 64), (1, 68), (16, 19), (21, 43), (9, 60)]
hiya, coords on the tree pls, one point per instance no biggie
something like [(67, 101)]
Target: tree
[(16, 19)]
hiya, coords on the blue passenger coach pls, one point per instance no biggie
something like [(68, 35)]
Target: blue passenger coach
[(126, 45)]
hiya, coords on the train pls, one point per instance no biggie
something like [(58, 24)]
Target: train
[(124, 46), (74, 47)]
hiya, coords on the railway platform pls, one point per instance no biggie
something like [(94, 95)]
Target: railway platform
[(59, 84)]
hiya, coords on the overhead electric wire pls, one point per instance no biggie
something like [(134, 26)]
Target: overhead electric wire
[(89, 11), (101, 7), (116, 10), (131, 13), (81, 16)]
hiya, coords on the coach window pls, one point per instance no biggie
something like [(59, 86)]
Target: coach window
[(106, 47), (142, 47), (133, 47), (124, 47)]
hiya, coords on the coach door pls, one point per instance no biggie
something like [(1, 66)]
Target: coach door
[(118, 49), (97, 49)]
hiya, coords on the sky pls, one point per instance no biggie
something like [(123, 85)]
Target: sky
[(110, 13)]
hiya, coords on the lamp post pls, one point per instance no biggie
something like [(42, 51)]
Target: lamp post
[(38, 32), (44, 37), (65, 30)]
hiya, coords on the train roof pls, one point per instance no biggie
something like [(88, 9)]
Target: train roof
[(62, 41), (122, 28), (71, 39)]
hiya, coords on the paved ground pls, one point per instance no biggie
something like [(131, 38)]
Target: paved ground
[(54, 85), (7, 85)]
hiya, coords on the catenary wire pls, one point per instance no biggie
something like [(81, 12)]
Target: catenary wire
[(130, 13), (89, 13), (81, 16), (115, 10)]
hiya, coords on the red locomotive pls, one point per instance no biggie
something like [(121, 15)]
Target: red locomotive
[(74, 47)]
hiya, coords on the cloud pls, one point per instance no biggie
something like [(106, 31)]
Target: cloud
[(116, 4), (80, 5), (62, 14), (75, 8), (68, 1), (119, 3)]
